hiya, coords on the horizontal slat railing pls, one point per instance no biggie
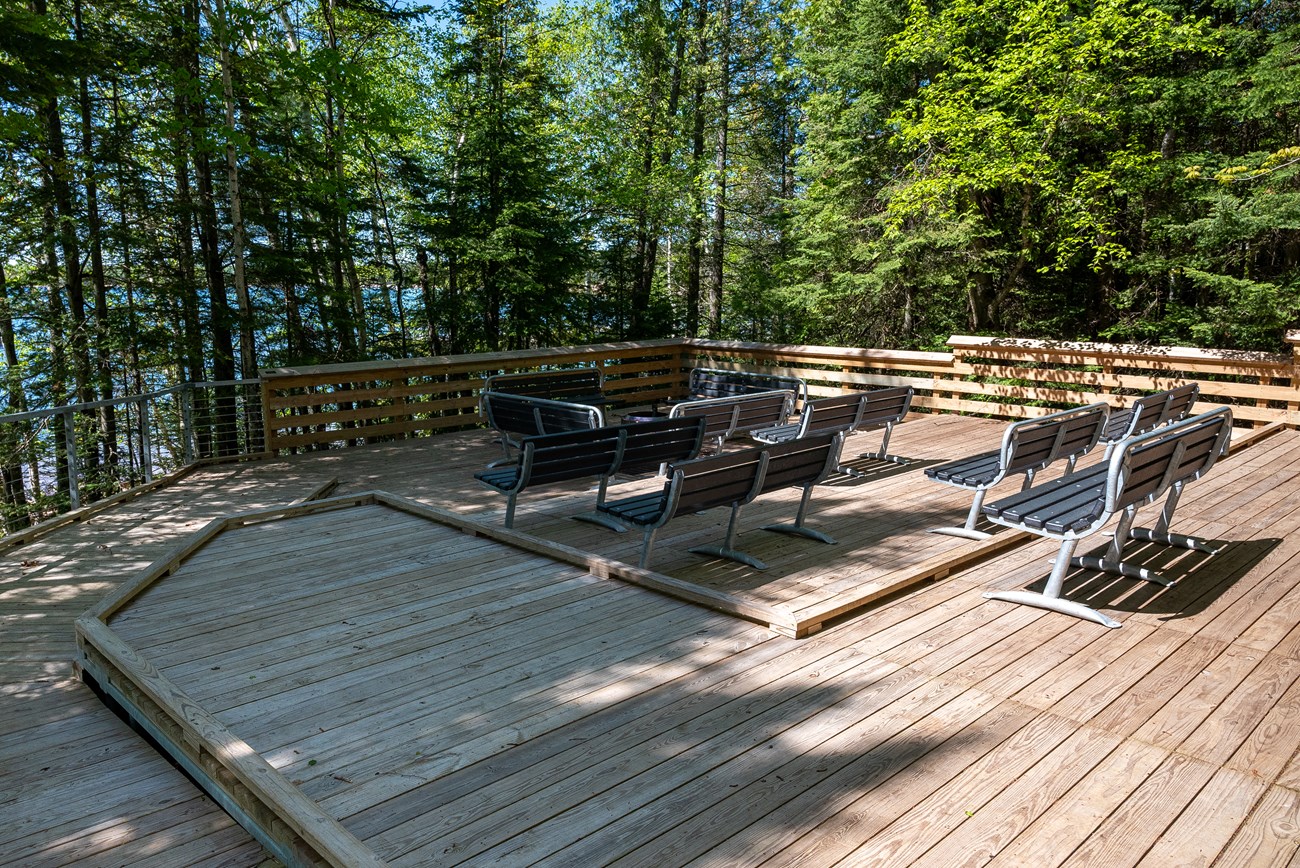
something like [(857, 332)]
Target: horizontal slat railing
[(1260, 387), (323, 405), (314, 407)]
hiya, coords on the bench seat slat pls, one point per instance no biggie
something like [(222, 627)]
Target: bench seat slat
[(500, 478), (641, 509), (1035, 507), (976, 470)]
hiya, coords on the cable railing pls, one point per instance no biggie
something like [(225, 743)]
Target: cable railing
[(63, 458)]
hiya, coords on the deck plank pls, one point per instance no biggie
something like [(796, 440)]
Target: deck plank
[(102, 795), (450, 699)]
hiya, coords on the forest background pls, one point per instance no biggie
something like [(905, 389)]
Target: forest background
[(191, 190)]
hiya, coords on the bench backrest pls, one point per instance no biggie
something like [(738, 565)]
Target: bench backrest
[(1152, 411), (837, 413), (717, 480), (803, 462), (528, 416), (726, 416), (569, 455), (1032, 444), (557, 385), (1149, 464), (662, 441), (715, 383), (884, 406)]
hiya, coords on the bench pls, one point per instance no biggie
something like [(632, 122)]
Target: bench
[(1148, 413), (1140, 470), (802, 463), (516, 416), (715, 383), (576, 385), (595, 452), (738, 414), (1028, 446), (732, 479), (855, 411)]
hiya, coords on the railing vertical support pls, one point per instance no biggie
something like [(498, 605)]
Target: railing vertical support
[(187, 421), (70, 447), (1293, 406), (268, 418), (146, 450)]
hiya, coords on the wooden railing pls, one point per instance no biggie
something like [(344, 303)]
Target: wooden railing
[(314, 407), (320, 406)]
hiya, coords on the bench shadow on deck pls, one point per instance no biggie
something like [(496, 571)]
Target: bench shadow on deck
[(875, 520), (385, 684)]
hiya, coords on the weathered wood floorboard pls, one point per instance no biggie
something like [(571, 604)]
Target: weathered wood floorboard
[(79, 786), (451, 700)]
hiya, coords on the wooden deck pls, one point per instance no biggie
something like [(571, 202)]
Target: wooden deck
[(874, 518), (448, 699), (77, 785)]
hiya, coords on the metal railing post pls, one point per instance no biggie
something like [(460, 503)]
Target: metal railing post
[(187, 421), (70, 447)]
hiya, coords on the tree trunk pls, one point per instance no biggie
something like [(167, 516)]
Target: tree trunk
[(720, 172), (12, 436), (351, 342), (128, 277), (430, 305), (94, 230), (58, 179), (247, 344), (56, 313), (695, 264), (222, 317)]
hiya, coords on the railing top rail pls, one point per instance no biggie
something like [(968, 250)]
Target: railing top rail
[(215, 384), (85, 405), (818, 352), (31, 415), (384, 367), (1099, 351)]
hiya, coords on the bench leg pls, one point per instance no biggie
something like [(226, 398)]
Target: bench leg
[(798, 528), (967, 531), (647, 543), (1160, 533), (883, 454), (598, 517), (1111, 562), (510, 510), (1050, 598), (727, 550)]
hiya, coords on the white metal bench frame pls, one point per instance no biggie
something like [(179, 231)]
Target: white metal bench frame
[(1115, 496), (1011, 459)]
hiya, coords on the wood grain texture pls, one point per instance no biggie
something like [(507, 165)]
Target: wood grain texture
[(473, 695)]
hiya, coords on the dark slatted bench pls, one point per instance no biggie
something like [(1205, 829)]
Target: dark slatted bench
[(597, 452), (577, 385), (1028, 446), (802, 463), (517, 416), (731, 479), (856, 411), (1140, 470), (715, 383), (738, 414), (1148, 413)]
